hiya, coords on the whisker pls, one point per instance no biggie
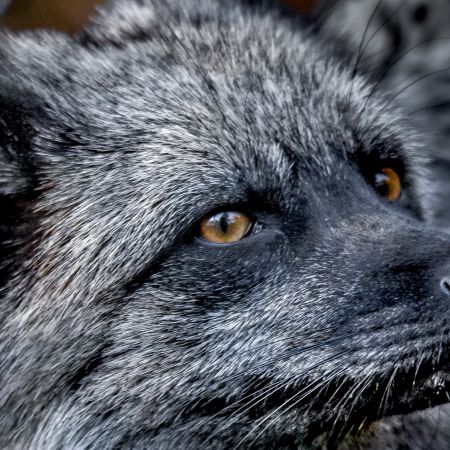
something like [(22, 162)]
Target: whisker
[(387, 390), (362, 46), (359, 54), (254, 372), (417, 80), (269, 391), (294, 352), (384, 23), (290, 407), (439, 105), (345, 399), (391, 99), (397, 60), (262, 394)]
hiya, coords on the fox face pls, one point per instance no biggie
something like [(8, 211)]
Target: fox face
[(214, 236)]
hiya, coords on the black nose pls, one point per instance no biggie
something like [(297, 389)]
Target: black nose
[(445, 286)]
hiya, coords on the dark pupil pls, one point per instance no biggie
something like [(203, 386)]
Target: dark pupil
[(224, 223), (381, 182), (420, 13)]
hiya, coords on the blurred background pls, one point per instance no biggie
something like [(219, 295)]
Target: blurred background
[(3, 5), (68, 15), (64, 15)]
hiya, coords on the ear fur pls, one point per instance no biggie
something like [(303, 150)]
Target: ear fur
[(17, 179), (16, 168), (118, 22), (121, 21)]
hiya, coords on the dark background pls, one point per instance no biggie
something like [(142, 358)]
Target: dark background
[(69, 15)]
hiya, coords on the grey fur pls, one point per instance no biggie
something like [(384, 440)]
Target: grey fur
[(119, 329)]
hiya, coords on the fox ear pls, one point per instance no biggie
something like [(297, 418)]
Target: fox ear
[(118, 22), (16, 168), (17, 179)]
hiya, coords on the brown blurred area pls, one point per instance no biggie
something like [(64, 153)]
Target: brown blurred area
[(63, 15), (71, 15), (301, 5)]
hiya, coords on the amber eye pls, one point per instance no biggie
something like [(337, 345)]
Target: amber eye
[(388, 184), (225, 227)]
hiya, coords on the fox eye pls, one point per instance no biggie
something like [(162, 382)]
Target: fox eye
[(388, 184), (225, 227)]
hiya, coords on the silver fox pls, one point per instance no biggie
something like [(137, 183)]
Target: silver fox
[(123, 324)]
